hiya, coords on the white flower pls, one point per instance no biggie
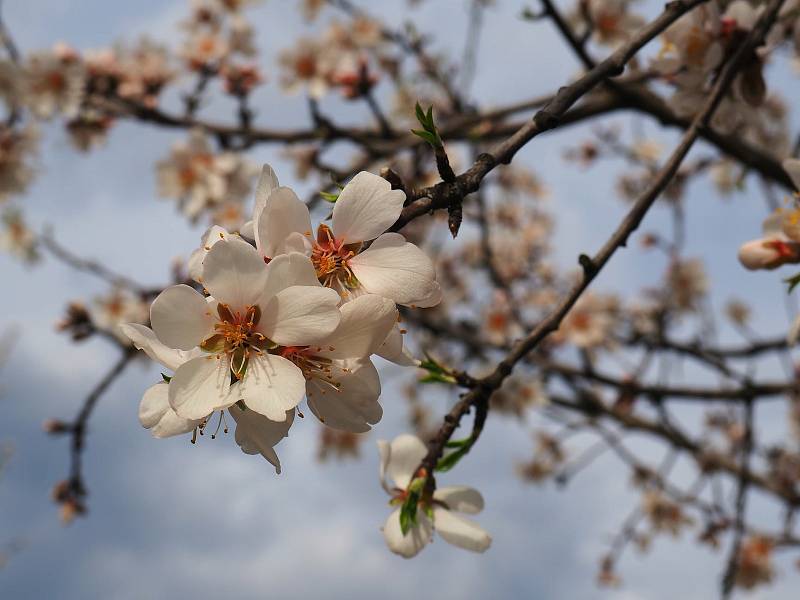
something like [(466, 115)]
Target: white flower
[(119, 306), (54, 82), (253, 310), (693, 41), (342, 384), (309, 65), (399, 460), (255, 434), (202, 179), (390, 267), (18, 148), (17, 238), (590, 322), (9, 83)]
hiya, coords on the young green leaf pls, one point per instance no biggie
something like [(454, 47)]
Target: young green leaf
[(328, 197), (451, 460), (793, 282)]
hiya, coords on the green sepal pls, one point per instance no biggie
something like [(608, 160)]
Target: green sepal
[(437, 373), (408, 512), (793, 282), (429, 511), (166, 378)]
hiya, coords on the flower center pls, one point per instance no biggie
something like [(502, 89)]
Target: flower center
[(312, 365), (236, 336), (330, 259)]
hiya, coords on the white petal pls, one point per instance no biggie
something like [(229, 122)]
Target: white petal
[(460, 498), (366, 208), (287, 270), (283, 215), (385, 454), (247, 230), (772, 226), (256, 434), (267, 182), (459, 531), (353, 406), (144, 339), (234, 273), (415, 539), (392, 349), (794, 332), (792, 167), (156, 414), (407, 452), (153, 405), (180, 317), (297, 242), (212, 235), (201, 386), (395, 269), (271, 386), (300, 315), (432, 299), (366, 322)]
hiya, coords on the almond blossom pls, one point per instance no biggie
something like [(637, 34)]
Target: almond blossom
[(399, 461), (253, 309), (109, 312), (255, 434), (201, 179), (366, 207), (16, 237), (18, 148), (54, 82), (343, 386)]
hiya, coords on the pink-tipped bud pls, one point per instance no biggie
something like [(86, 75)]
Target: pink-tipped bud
[(768, 254), (54, 426)]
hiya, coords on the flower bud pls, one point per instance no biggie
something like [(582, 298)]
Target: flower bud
[(768, 253), (54, 426)]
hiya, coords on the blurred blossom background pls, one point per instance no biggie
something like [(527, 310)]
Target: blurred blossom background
[(170, 519)]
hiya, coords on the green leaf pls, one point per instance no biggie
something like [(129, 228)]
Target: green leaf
[(328, 197), (793, 282), (451, 460), (427, 136), (437, 373), (428, 131), (420, 114), (166, 378)]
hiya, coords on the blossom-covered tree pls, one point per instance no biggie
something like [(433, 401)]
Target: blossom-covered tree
[(437, 251)]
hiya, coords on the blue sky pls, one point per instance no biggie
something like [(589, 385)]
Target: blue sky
[(172, 520)]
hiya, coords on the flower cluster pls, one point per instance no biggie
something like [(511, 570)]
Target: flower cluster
[(338, 58), (287, 316)]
